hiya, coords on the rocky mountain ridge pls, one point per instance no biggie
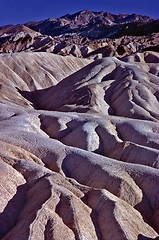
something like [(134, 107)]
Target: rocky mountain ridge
[(96, 25), (116, 35)]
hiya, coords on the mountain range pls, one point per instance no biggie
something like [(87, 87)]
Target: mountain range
[(84, 34)]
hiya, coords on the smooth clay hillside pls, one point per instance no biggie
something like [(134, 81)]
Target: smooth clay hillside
[(79, 145)]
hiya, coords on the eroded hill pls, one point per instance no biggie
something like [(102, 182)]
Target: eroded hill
[(79, 144)]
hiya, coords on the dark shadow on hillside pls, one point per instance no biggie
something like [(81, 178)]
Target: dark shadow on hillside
[(27, 95), (10, 214), (142, 237)]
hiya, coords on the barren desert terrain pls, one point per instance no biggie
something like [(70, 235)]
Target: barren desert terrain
[(79, 129)]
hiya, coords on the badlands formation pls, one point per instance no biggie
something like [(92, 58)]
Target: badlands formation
[(79, 135)]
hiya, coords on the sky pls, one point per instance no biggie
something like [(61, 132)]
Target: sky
[(22, 11)]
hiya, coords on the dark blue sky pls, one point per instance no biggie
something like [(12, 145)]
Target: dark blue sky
[(21, 11)]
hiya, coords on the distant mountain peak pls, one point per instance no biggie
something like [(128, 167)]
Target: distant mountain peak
[(84, 33), (96, 24)]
